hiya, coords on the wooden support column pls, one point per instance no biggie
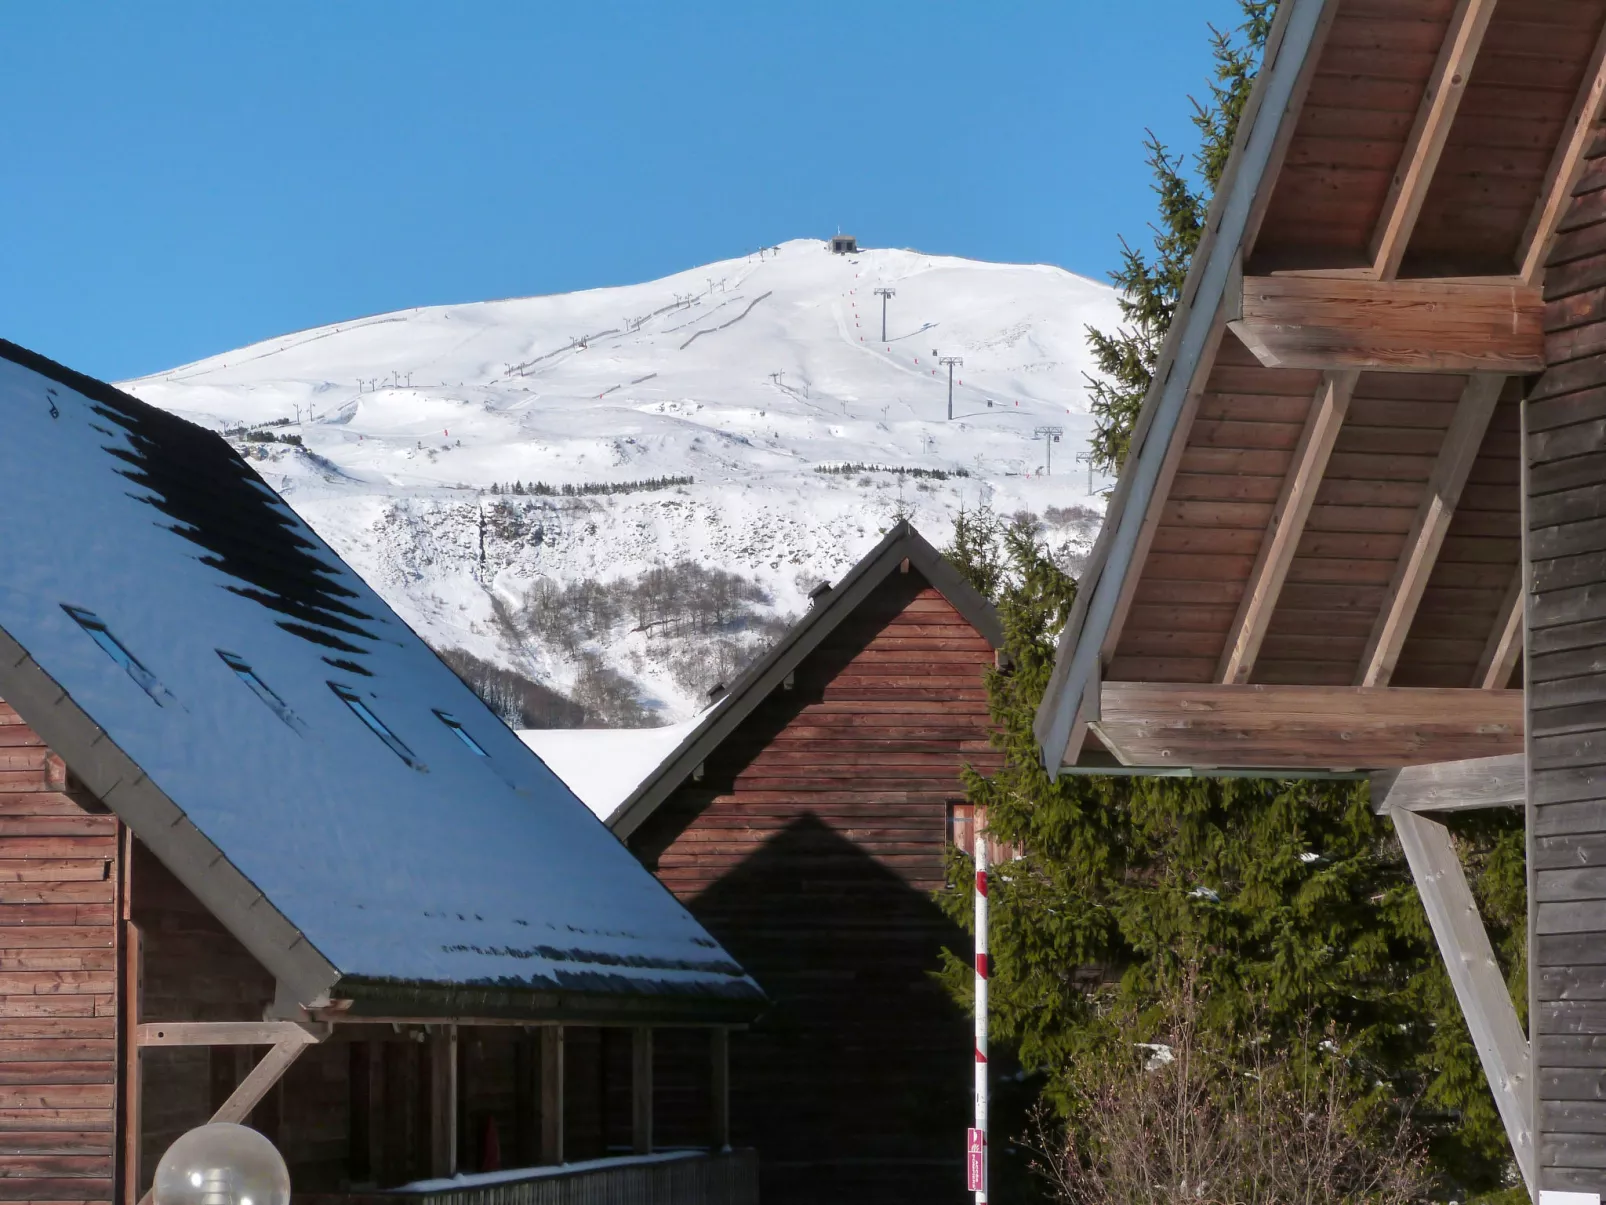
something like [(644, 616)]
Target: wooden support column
[(1434, 117), (1479, 987), (1428, 529), (552, 1094), (641, 1091), (443, 1101), (1277, 549), (133, 984), (720, 1068)]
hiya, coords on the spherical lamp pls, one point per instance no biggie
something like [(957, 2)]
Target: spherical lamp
[(222, 1164)]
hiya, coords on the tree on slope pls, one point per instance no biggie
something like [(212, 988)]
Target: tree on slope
[(1288, 900)]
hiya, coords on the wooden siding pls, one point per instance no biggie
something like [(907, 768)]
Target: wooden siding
[(59, 878), (810, 850), (1566, 431)]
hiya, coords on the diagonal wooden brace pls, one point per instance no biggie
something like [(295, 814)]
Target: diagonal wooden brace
[(288, 1038), (1479, 987)]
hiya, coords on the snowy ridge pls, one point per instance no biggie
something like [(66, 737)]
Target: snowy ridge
[(745, 375)]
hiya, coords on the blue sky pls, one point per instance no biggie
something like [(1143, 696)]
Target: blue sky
[(186, 178)]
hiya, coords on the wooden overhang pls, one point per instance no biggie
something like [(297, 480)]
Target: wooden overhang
[(1312, 558)]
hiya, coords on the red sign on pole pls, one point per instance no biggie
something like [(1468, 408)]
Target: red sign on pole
[(975, 1160)]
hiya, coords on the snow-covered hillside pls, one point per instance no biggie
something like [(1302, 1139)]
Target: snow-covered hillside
[(748, 376)]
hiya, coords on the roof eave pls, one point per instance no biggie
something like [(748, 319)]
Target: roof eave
[(1297, 31), (153, 817)]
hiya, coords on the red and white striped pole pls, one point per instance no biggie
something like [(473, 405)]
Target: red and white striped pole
[(976, 1160)]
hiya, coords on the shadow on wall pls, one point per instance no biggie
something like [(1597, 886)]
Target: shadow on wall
[(855, 1086)]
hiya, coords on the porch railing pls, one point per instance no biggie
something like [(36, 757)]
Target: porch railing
[(670, 1178)]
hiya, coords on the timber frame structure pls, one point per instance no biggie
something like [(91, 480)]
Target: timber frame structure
[(1362, 528)]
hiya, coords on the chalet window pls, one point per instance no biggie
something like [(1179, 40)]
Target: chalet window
[(460, 733), (101, 635), (375, 725), (278, 706)]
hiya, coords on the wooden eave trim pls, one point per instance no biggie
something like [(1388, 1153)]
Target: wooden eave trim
[(204, 869), (1565, 167), (1281, 541), (1434, 117), (769, 672), (1462, 442), (1292, 50)]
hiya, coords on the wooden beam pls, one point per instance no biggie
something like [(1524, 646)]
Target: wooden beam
[(641, 1090), (1217, 726), (719, 1050), (1434, 116), (1456, 786), (1479, 986), (552, 1094), (1505, 641), (1565, 167), (229, 1033), (1281, 541), (443, 1101), (1456, 456), (1330, 322), (133, 983)]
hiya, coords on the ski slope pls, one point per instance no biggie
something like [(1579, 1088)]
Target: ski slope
[(746, 375)]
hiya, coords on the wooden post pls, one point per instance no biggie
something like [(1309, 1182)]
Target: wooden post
[(720, 1045), (132, 985), (641, 1090), (443, 1101), (552, 1094), (377, 1170)]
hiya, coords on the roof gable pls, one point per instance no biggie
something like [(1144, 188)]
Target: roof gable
[(902, 543), (322, 800)]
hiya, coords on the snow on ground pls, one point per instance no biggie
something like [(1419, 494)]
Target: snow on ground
[(603, 765), (746, 375)]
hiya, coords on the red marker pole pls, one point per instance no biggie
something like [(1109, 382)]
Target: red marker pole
[(976, 1146)]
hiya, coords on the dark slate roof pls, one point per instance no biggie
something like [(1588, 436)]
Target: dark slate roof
[(214, 673), (766, 674)]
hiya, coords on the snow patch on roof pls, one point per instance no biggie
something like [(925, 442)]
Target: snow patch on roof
[(604, 765)]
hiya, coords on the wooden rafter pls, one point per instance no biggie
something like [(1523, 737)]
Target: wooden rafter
[(1505, 641), (1565, 167), (1331, 322), (1426, 537), (1455, 786), (1277, 548), (1434, 117), (1479, 986), (1212, 725)]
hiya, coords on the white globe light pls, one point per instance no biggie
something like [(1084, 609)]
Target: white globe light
[(222, 1164)]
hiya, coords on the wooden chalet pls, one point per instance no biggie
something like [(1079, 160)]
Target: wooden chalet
[(264, 858), (805, 822), (1363, 524)]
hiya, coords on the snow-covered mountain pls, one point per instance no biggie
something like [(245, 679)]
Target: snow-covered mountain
[(751, 377)]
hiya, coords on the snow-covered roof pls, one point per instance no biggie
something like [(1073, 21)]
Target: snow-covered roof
[(290, 749), (833, 605), (603, 765)]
